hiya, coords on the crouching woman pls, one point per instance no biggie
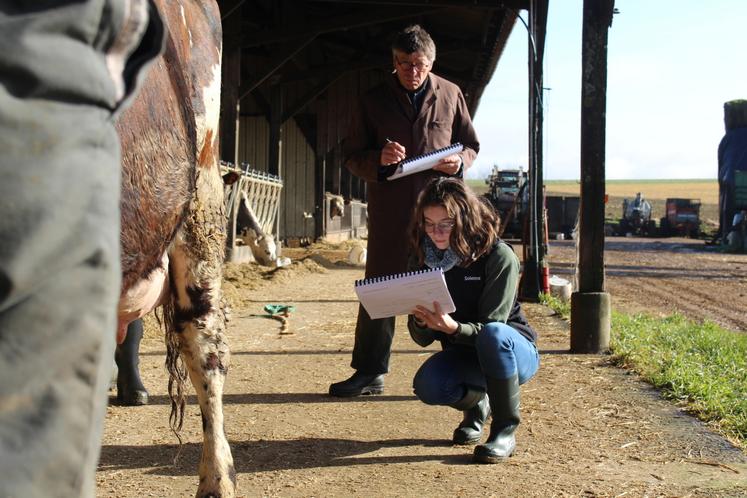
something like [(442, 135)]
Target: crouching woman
[(488, 348)]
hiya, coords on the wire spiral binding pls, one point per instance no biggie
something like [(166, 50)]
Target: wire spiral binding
[(396, 276), (409, 160)]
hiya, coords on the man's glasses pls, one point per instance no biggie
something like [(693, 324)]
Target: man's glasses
[(440, 227), (418, 66)]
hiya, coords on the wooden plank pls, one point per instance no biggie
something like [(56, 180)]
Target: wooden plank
[(597, 18)]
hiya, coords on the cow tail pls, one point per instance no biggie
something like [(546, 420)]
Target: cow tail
[(177, 371)]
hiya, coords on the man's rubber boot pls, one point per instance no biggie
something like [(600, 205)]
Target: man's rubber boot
[(476, 409), (130, 389), (358, 384), (504, 397)]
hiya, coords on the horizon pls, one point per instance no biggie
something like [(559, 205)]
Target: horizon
[(623, 180)]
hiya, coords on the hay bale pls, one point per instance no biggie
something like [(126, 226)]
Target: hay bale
[(735, 114)]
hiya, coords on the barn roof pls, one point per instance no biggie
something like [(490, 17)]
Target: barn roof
[(311, 44)]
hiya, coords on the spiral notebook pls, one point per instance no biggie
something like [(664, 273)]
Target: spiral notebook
[(398, 294), (423, 162)]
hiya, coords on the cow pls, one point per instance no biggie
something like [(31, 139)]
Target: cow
[(249, 230), (262, 244), (336, 206), (173, 222)]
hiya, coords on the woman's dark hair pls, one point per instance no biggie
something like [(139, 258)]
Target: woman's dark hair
[(475, 221), (415, 39)]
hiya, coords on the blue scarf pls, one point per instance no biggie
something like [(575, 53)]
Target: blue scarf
[(437, 258)]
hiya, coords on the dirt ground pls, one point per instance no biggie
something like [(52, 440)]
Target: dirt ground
[(670, 274), (589, 429)]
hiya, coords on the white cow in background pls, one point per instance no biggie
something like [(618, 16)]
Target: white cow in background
[(263, 245), (248, 229), (336, 206)]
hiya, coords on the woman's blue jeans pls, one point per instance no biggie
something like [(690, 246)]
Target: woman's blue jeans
[(500, 353)]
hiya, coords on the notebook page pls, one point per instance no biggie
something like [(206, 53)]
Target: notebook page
[(423, 162), (399, 295)]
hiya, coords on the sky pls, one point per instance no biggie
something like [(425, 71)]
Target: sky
[(671, 66)]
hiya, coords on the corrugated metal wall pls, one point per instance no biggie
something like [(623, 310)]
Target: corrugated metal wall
[(296, 170), (254, 142), (333, 111)]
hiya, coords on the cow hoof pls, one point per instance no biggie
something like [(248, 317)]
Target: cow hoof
[(216, 494), (217, 488)]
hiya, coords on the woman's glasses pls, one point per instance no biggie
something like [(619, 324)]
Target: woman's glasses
[(440, 227)]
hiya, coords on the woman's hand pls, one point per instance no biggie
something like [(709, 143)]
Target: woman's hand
[(435, 320)]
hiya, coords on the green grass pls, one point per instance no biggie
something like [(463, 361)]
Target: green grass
[(562, 308), (699, 365)]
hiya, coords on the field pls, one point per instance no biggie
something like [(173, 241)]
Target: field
[(655, 191)]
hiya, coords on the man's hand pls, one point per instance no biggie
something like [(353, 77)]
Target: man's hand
[(392, 153), (449, 164), (435, 320)]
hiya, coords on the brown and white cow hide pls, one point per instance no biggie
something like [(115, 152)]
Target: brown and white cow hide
[(173, 222)]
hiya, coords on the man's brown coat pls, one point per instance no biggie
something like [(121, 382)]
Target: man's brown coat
[(385, 113)]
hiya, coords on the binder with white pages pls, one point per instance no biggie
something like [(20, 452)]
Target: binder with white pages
[(399, 294), (423, 162)]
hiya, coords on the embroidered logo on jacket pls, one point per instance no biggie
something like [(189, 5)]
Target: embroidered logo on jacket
[(469, 277)]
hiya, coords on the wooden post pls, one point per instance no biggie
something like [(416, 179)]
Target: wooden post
[(276, 130), (531, 281), (320, 223), (590, 305)]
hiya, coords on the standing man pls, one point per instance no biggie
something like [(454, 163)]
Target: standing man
[(67, 68), (411, 113)]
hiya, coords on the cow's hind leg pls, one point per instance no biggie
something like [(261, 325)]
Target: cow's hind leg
[(198, 326)]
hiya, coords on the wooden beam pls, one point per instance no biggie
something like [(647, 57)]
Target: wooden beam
[(504, 24), (230, 81), (593, 131), (262, 103), (276, 130), (321, 71), (309, 96), (277, 59), (361, 62), (480, 4), (368, 17), (320, 180), (590, 305), (307, 123), (229, 7), (535, 265)]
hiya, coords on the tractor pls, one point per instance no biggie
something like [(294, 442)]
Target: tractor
[(508, 194), (636, 217)]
